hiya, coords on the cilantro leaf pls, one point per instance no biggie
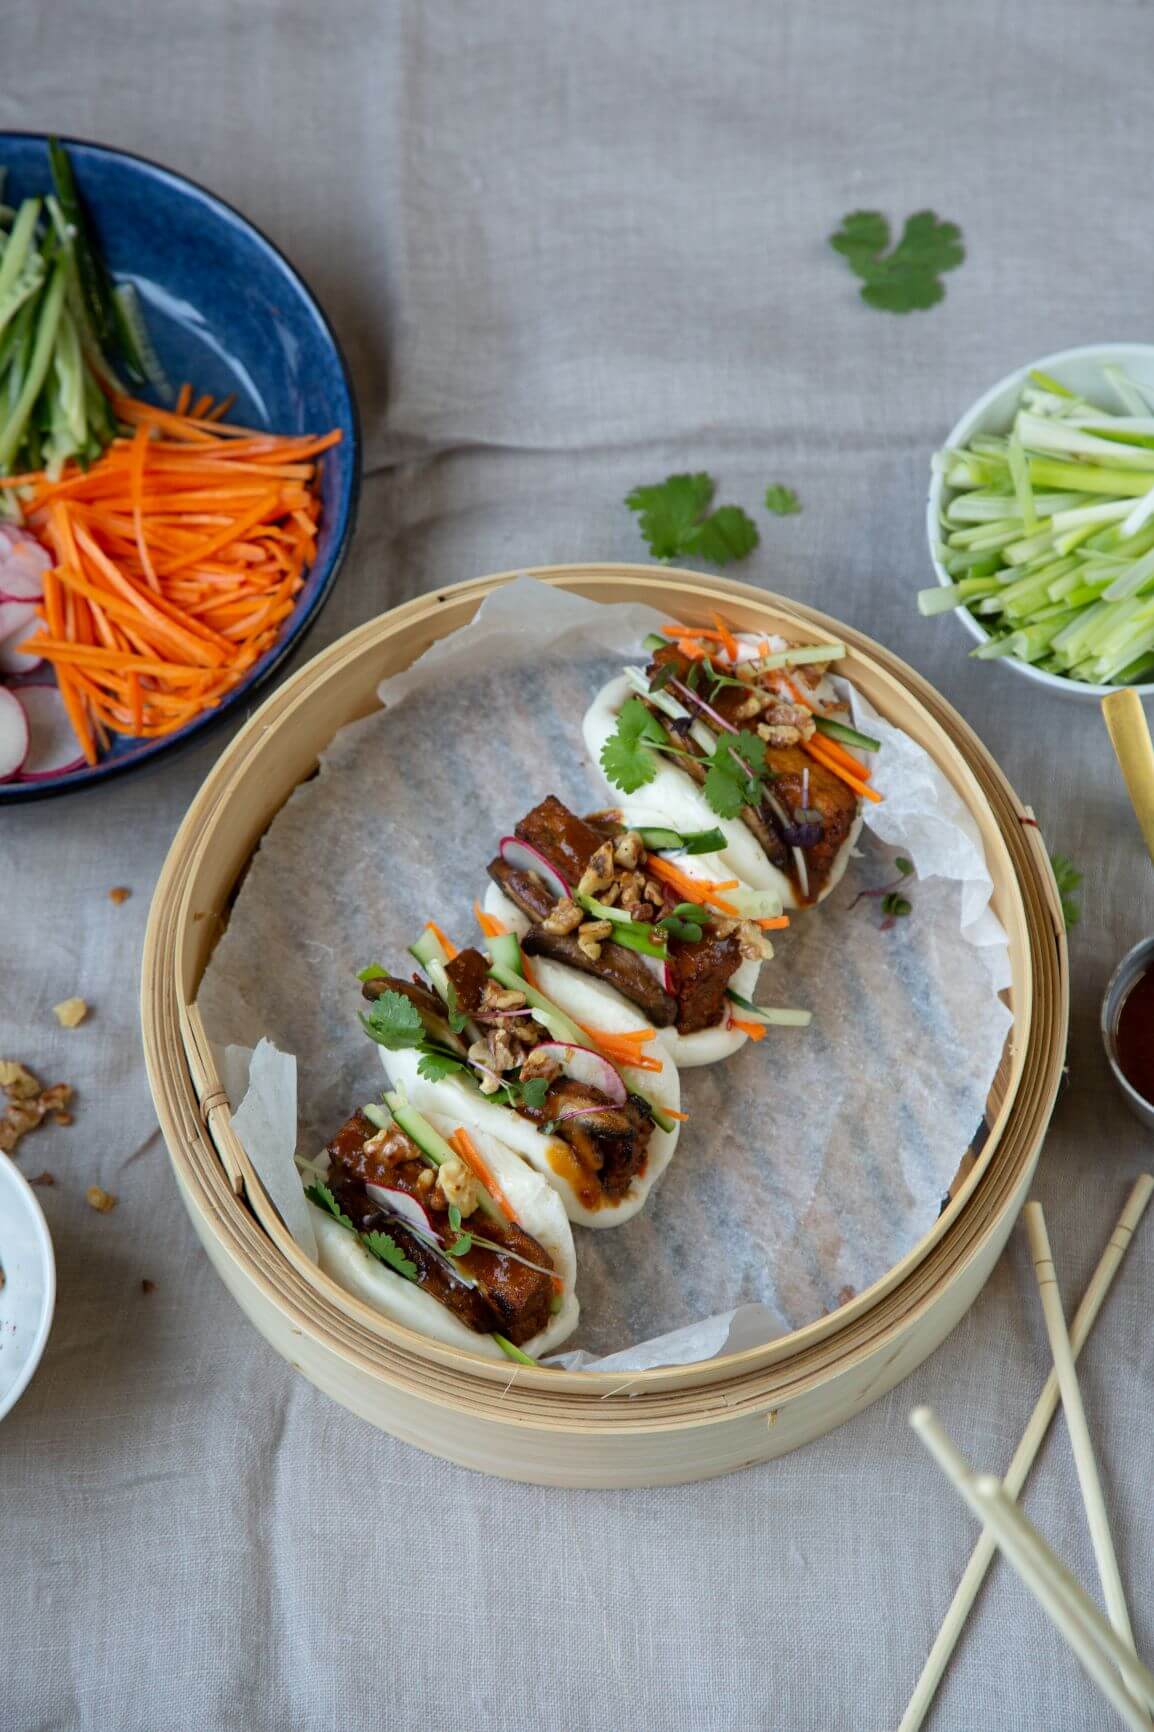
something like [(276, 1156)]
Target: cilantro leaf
[(461, 1246), (627, 757), (324, 1199), (675, 519), (669, 509), (782, 500), (725, 535), (1069, 881), (394, 1022), (454, 1217), (908, 277), (435, 1066), (534, 1091), (374, 971), (457, 1017), (386, 1250), (733, 779)]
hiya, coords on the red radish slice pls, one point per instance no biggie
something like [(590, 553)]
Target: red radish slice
[(52, 747), (581, 1064), (406, 1209), (524, 858), (14, 616), (13, 735), (13, 659), (21, 576)]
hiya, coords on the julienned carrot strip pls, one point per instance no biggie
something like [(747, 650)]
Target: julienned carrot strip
[(835, 750), (777, 923), (693, 889), (184, 399), (691, 631), (728, 641), (177, 556), (624, 1049), (446, 944), (489, 924), (463, 1145), (139, 457), (755, 1030), (689, 648), (835, 769)]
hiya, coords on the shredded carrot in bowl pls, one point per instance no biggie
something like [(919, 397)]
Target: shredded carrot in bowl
[(178, 556)]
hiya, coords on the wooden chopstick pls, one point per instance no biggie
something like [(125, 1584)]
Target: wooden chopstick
[(1024, 1456), (1085, 1462), (1072, 1611)]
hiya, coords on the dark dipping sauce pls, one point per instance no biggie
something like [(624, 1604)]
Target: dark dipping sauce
[(1135, 1037)]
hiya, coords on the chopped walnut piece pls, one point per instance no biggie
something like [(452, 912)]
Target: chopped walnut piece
[(508, 999), (628, 850), (590, 947), (119, 893), (753, 943), (598, 875), (29, 1103), (43, 1179), (63, 1118), (147, 1286), (456, 1185), (596, 929), (70, 1012), (540, 1063), (751, 705), (565, 917), (101, 1200)]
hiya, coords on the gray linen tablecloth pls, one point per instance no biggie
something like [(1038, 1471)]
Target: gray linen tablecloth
[(570, 248)]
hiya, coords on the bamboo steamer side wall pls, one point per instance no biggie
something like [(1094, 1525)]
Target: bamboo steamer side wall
[(459, 1404)]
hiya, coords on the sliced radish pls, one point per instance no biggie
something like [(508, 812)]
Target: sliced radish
[(13, 659), (13, 735), (582, 1065), (524, 858), (52, 747), (14, 616), (406, 1208), (22, 574)]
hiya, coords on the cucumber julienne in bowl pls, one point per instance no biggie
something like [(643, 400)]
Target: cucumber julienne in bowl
[(1041, 520)]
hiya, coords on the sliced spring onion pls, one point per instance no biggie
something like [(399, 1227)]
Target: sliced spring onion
[(659, 841), (771, 1017), (512, 1352)]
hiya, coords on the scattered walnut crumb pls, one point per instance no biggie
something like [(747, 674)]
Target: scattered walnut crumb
[(119, 893), (99, 1199), (63, 1118), (70, 1012), (43, 1179), (147, 1286), (29, 1102)]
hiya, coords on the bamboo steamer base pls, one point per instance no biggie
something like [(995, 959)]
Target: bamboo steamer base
[(675, 1423)]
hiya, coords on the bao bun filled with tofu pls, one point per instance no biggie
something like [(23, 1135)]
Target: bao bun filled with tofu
[(461, 1240), (790, 824), (627, 916)]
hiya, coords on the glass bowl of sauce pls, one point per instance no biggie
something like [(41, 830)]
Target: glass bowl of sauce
[(1128, 1029)]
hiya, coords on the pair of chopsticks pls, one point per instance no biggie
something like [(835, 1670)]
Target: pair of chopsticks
[(1106, 1649)]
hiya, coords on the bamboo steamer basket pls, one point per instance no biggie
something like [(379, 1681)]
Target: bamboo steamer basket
[(674, 1423)]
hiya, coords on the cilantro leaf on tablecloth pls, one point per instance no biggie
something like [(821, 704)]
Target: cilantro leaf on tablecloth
[(782, 500), (1069, 882), (675, 520), (908, 278)]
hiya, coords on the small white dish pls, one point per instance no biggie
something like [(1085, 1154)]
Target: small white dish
[(1081, 371), (28, 1296)]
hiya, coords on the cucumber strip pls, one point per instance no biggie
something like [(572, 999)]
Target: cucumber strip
[(773, 1018), (430, 1142), (847, 735), (803, 653), (654, 642), (659, 841), (428, 948), (505, 952)]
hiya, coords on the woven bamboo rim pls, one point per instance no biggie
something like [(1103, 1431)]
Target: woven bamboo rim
[(278, 748)]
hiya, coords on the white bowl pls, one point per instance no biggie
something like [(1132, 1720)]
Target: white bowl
[(28, 1296), (1080, 370)]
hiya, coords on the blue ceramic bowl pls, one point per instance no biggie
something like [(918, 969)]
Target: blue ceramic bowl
[(227, 312)]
